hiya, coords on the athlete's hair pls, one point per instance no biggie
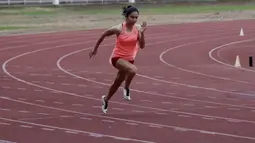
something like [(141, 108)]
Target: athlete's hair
[(128, 10)]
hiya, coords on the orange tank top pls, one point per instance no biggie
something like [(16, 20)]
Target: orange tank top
[(126, 44)]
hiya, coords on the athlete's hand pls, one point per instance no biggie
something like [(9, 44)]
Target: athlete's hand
[(144, 27), (92, 53)]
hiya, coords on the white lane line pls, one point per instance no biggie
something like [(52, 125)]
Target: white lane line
[(96, 106), (208, 118), (46, 114), (133, 124), (180, 129), (26, 126), (233, 109), (188, 104), (232, 99), (78, 105), (134, 121), (191, 86), (47, 129), (23, 99), (158, 76), (4, 109), (4, 68), (21, 88), (82, 85), (118, 109), (72, 130), (146, 100), (39, 100), (234, 121), (224, 45), (139, 82), (64, 116), (98, 86), (89, 95), (55, 92), (58, 102), (159, 113), (21, 111), (108, 121), (170, 93), (85, 118), (166, 102), (155, 126), (210, 107), (190, 71), (138, 111), (185, 116), (5, 124)]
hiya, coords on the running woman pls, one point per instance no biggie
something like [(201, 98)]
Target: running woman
[(130, 37)]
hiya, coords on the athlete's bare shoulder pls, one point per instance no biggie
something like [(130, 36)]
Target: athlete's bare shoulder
[(116, 28), (138, 26)]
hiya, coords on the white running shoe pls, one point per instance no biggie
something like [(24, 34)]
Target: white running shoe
[(104, 104), (126, 94)]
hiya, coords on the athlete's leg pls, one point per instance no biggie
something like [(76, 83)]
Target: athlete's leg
[(130, 75), (113, 88), (118, 64), (126, 71), (115, 85), (130, 72)]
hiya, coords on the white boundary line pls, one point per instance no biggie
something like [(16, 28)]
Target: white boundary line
[(133, 121), (194, 72), (222, 46), (136, 121), (76, 131)]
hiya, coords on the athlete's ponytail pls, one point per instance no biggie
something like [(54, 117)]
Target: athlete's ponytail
[(128, 9)]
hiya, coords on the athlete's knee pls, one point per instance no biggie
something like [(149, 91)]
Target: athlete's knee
[(132, 70), (119, 78)]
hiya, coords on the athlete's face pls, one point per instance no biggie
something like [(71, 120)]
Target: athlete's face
[(132, 17)]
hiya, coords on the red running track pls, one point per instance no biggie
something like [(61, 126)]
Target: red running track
[(186, 89)]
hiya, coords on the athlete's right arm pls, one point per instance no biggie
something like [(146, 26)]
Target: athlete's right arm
[(109, 32)]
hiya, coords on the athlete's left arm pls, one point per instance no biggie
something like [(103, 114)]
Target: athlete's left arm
[(141, 38)]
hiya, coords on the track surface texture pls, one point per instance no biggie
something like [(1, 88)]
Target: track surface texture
[(186, 89)]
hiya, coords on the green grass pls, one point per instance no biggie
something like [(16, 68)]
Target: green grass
[(197, 9), (116, 9), (161, 9), (2, 28), (27, 11)]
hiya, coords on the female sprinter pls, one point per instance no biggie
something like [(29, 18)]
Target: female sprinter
[(130, 36)]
